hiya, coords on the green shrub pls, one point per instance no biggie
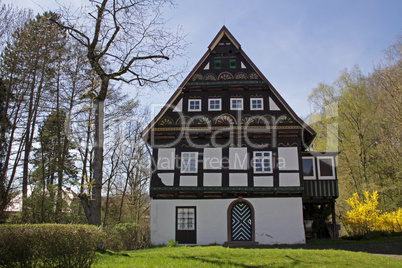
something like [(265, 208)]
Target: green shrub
[(172, 243), (48, 245), (126, 236)]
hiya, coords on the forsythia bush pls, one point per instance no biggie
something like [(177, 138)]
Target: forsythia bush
[(365, 217)]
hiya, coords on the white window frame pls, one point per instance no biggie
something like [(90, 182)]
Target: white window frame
[(194, 110), (314, 175), (236, 108), (262, 157), (214, 109), (186, 158), (256, 99), (319, 168)]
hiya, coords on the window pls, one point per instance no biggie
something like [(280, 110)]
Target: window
[(189, 162), (326, 167), (308, 168), (217, 64), (232, 64), (185, 218), (262, 162), (236, 104), (194, 105), (214, 105), (256, 104)]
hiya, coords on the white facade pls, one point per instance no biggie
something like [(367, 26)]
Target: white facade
[(277, 220)]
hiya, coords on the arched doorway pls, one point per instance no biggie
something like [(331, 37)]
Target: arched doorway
[(241, 222)]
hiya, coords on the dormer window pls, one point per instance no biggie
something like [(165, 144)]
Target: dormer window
[(214, 105), (236, 104), (256, 104), (194, 105)]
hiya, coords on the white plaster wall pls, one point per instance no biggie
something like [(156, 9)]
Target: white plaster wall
[(289, 179), (188, 180), (238, 179), (211, 220), (238, 158), (179, 106), (166, 159), (213, 158), (288, 158), (263, 181), (277, 220), (273, 106), (167, 178), (213, 179)]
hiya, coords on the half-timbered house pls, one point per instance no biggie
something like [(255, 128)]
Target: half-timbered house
[(230, 159)]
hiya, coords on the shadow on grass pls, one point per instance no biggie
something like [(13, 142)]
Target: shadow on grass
[(295, 261), (112, 253), (215, 262)]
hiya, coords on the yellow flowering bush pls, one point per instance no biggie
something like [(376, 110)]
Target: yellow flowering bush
[(365, 217)]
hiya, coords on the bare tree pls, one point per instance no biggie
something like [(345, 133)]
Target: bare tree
[(131, 37), (27, 69), (10, 19)]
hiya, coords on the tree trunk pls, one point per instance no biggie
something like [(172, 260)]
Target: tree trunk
[(60, 155), (93, 207), (96, 202)]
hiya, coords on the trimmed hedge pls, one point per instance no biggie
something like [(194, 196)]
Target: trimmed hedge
[(127, 236), (48, 245)]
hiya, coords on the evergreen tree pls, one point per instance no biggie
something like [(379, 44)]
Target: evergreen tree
[(49, 160)]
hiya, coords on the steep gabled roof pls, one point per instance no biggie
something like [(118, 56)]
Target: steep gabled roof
[(309, 133)]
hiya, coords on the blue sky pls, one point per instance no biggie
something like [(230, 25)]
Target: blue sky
[(296, 44)]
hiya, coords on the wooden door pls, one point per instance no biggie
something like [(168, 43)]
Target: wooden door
[(186, 225), (241, 225)]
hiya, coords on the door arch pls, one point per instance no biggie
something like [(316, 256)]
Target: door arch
[(241, 226)]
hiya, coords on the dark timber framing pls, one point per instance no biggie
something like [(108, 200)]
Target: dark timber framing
[(225, 73)]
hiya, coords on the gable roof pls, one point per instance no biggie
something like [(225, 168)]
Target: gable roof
[(309, 133)]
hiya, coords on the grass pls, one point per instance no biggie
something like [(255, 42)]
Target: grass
[(218, 256)]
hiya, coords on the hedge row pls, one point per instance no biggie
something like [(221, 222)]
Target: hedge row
[(48, 245), (126, 236)]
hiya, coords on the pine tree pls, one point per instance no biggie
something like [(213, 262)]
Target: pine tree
[(51, 159)]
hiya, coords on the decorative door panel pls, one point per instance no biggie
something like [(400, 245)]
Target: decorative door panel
[(241, 225)]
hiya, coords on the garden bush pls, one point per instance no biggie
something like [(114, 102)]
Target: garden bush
[(365, 217), (48, 245), (126, 236)]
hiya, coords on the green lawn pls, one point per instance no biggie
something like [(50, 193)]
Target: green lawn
[(218, 256)]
